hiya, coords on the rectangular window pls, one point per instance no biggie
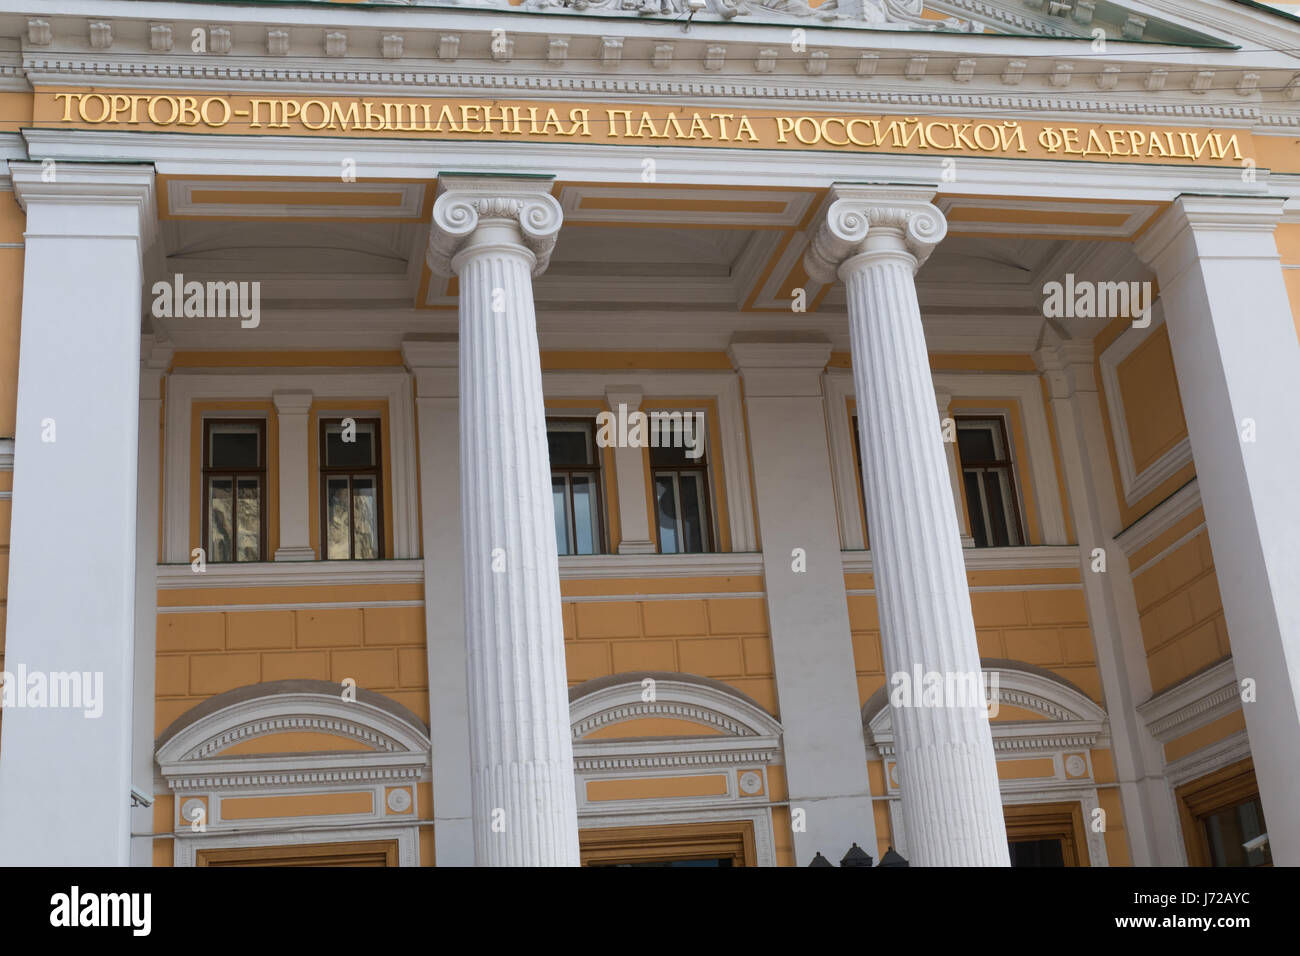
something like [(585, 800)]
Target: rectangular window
[(351, 490), (1223, 820), (234, 490), (681, 490), (575, 486), (989, 478)]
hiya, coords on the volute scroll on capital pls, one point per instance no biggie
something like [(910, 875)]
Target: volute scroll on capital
[(458, 212), (915, 225)]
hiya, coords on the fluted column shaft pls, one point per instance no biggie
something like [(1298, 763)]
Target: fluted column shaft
[(874, 238), (495, 239)]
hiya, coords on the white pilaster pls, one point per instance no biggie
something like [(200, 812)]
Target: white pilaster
[(65, 777), (292, 412), (812, 646), (1149, 820), (629, 475), (433, 364), (874, 239), (944, 402), (496, 233), (1234, 344), (156, 356)]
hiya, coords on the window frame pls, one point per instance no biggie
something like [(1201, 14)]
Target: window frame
[(1009, 464), (1050, 821), (1214, 793), (206, 471), (710, 535), (596, 471), (325, 472), (733, 840)]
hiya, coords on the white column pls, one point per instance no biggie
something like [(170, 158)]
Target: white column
[(803, 570), (874, 238), (496, 233), (1234, 343), (156, 356), (1149, 817), (292, 413), (629, 476), (65, 777), (433, 364), (944, 402)]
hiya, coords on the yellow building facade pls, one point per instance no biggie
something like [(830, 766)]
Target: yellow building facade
[(304, 303)]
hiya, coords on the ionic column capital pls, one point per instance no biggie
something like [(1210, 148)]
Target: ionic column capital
[(503, 213), (865, 223)]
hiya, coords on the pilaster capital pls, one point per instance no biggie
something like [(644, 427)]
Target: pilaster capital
[(297, 402), (155, 358), (873, 221), (1067, 364), (530, 215), (629, 396), (79, 187), (433, 362), (780, 365), (1193, 227)]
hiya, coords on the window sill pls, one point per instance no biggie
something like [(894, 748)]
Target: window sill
[(290, 574)]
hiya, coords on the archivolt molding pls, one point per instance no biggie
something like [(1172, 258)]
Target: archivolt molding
[(710, 703), (1072, 719), (734, 761), (189, 752)]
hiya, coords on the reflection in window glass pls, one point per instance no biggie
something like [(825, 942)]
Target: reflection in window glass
[(351, 505)]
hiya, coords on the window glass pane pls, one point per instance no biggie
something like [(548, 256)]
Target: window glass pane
[(359, 452), (997, 510), (569, 444), (1229, 829), (1008, 507), (221, 521), (975, 508), (676, 443), (365, 518), (585, 520), (337, 521), (666, 510), (692, 486), (235, 446), (976, 443), (248, 523), (560, 504)]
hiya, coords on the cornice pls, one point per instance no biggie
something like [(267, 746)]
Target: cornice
[(932, 92), (1192, 704)]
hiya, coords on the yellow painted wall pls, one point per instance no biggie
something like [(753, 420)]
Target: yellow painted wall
[(1183, 628), (203, 653), (1288, 247), (719, 637), (1048, 628), (1153, 413)]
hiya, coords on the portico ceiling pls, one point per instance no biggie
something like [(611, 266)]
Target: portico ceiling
[(711, 261)]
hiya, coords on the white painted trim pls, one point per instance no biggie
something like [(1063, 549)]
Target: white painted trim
[(1136, 484), (1193, 703), (269, 574), (991, 559), (299, 606), (186, 847), (722, 387), (184, 388), (750, 740), (1160, 519), (1027, 392), (609, 566)]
